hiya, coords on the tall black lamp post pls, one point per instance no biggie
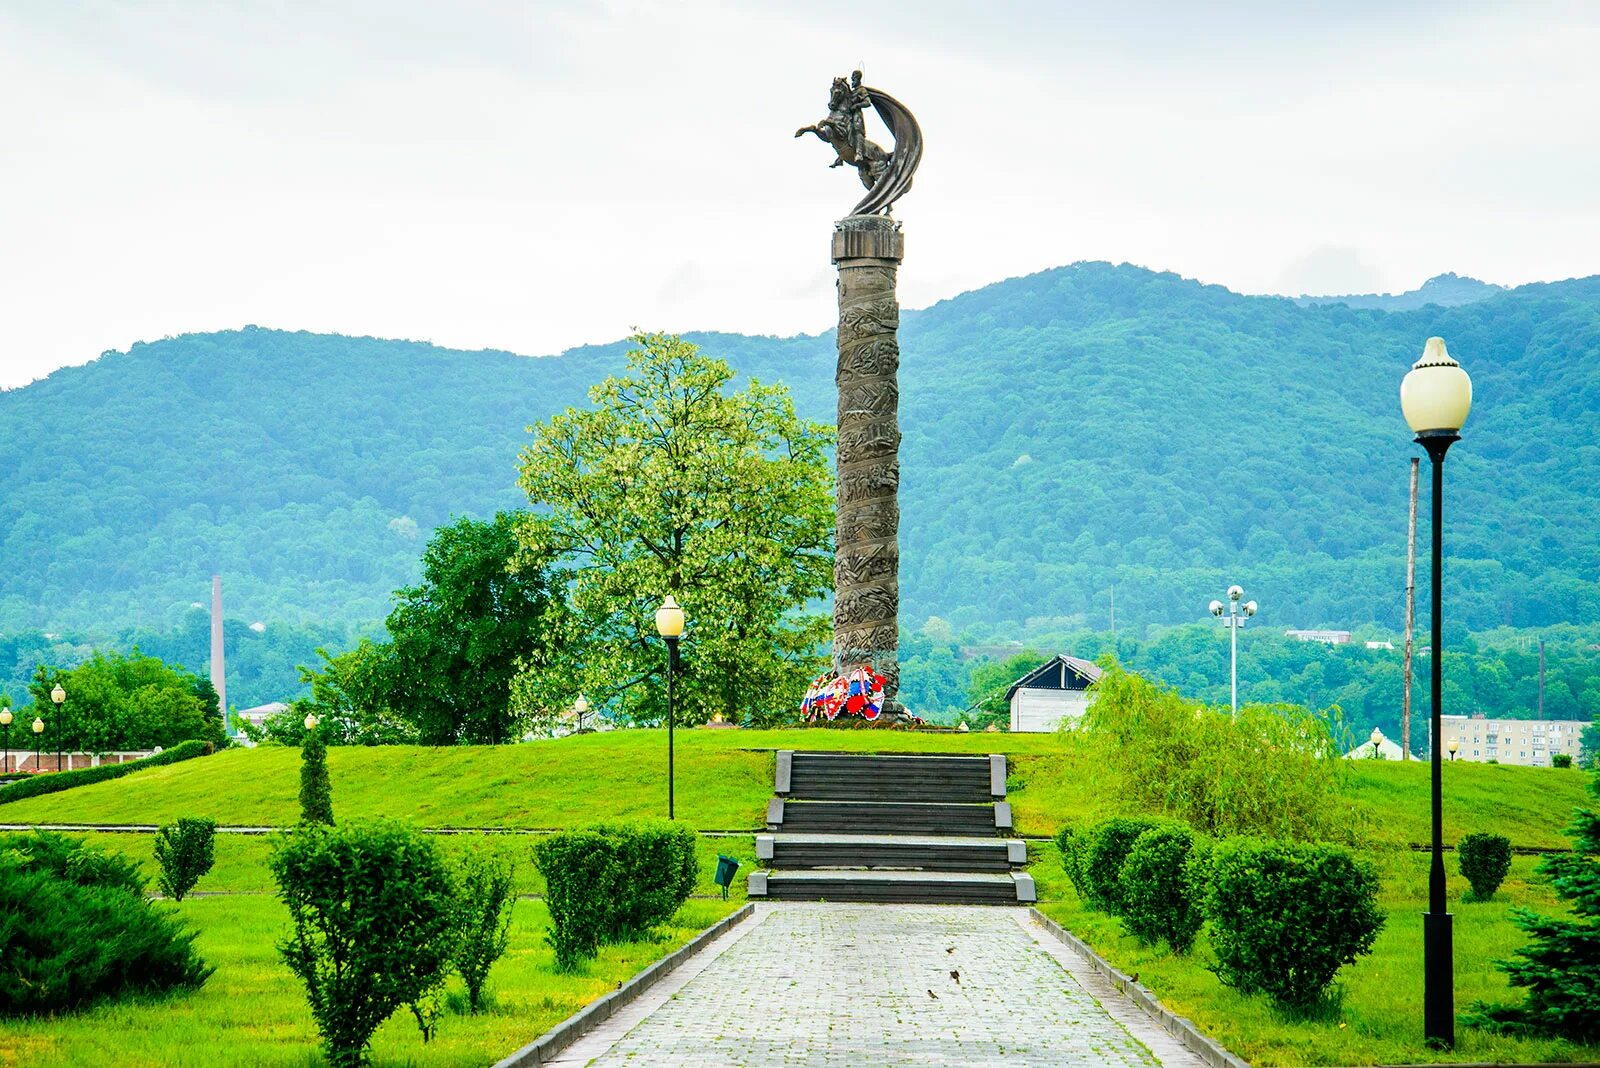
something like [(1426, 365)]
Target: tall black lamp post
[(1436, 396), (59, 697), (5, 725), (38, 733), (669, 624)]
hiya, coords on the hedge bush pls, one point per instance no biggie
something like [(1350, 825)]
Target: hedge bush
[(184, 850), (487, 889), (1485, 861), (612, 883), (56, 781), (374, 914), (1108, 846), (1161, 894), (75, 929), (1074, 844), (1561, 760), (1286, 917)]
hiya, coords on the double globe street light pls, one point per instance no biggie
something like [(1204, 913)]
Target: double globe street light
[(1436, 396), (1233, 616)]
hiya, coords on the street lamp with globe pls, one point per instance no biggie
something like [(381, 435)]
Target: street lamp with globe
[(1436, 396), (669, 624), (59, 697), (5, 726)]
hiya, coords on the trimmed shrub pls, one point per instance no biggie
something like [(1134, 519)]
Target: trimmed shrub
[(613, 883), (184, 851), (56, 781), (1108, 846), (1285, 918), (487, 890), (374, 925), (1561, 760), (1073, 844), (316, 790), (1160, 898), (1485, 861), (76, 929)]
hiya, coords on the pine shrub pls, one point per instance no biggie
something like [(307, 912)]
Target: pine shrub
[(1160, 896), (613, 883), (184, 851), (487, 890), (1485, 861), (374, 920), (75, 929), (1285, 917), (1560, 966), (1108, 846), (316, 791)]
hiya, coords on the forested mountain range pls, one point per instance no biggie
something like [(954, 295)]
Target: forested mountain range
[(1064, 432)]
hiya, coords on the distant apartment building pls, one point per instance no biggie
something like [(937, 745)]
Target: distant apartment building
[(1326, 637), (1511, 741)]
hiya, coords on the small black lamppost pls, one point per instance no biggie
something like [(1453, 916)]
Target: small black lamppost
[(1377, 740), (59, 696), (669, 624), (580, 708), (5, 725), (1454, 745), (38, 733), (1436, 396)]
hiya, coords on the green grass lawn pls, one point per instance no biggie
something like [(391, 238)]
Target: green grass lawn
[(252, 1012), (1380, 1018), (724, 779)]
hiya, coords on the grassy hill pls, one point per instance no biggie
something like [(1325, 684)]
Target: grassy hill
[(724, 779), (1070, 430)]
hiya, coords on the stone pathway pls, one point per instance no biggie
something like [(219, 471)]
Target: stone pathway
[(822, 985)]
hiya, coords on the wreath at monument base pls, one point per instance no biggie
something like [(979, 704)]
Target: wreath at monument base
[(853, 699)]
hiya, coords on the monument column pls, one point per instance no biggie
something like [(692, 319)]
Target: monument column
[(867, 250)]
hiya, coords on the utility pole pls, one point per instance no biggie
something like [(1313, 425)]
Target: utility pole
[(1411, 615)]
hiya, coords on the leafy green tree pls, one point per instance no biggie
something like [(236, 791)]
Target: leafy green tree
[(673, 484), (457, 636), (351, 697), (127, 701), (486, 890), (986, 691)]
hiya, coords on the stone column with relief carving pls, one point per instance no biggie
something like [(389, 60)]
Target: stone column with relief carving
[(867, 250)]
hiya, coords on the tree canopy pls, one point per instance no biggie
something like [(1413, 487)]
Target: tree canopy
[(675, 484), (122, 702)]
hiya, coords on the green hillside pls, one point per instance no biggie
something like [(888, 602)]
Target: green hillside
[(724, 779), (1074, 429)]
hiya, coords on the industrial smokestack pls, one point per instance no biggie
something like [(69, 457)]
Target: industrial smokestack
[(218, 674)]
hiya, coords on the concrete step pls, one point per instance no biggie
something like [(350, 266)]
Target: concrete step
[(883, 818), (904, 853), (920, 887), (857, 777)]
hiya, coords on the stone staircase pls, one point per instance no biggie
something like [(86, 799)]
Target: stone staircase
[(924, 829)]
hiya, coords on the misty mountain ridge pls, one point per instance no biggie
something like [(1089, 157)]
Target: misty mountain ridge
[(1065, 431), (1448, 290)]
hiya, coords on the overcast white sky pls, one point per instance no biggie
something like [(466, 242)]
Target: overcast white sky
[(532, 175)]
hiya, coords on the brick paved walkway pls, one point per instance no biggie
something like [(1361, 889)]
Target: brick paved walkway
[(833, 984)]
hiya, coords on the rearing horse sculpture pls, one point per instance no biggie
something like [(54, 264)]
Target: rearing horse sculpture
[(887, 175)]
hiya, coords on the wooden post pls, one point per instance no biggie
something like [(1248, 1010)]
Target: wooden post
[(1411, 615)]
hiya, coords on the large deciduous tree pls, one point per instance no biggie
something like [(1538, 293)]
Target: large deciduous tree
[(676, 484), (133, 701)]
